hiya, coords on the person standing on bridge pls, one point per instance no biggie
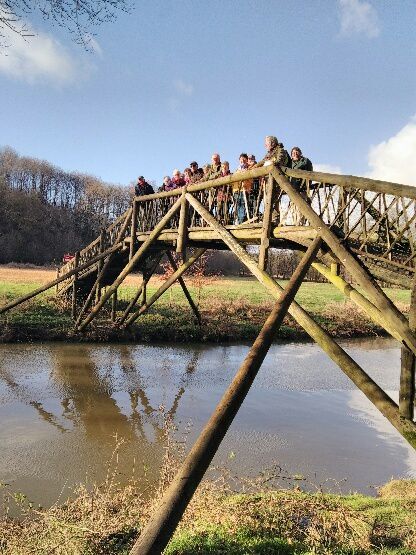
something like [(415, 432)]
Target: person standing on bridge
[(299, 162), (276, 153), (142, 187), (241, 190), (214, 169), (197, 173)]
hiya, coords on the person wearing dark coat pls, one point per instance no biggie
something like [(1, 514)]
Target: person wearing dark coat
[(142, 187), (299, 162)]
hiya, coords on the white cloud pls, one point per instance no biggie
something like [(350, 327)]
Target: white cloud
[(327, 168), (358, 17), (37, 58), (183, 88), (395, 159)]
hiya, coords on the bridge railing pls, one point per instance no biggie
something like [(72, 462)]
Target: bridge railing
[(376, 219), (105, 240)]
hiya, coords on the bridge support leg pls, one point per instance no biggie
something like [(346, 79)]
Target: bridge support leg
[(130, 266), (408, 368), (359, 299), (181, 270), (185, 289), (114, 306), (140, 290), (162, 524), (361, 379), (392, 315)]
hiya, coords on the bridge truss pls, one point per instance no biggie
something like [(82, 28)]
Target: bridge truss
[(366, 226)]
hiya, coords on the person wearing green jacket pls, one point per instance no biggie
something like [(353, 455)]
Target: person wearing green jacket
[(299, 162)]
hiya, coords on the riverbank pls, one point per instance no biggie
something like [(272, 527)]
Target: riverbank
[(108, 519), (232, 309)]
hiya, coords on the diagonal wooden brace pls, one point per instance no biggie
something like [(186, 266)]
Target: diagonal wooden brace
[(139, 290), (359, 299), (360, 378), (394, 318), (129, 267), (181, 270), (184, 288), (162, 524)]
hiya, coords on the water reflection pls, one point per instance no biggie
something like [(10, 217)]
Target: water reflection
[(301, 413)]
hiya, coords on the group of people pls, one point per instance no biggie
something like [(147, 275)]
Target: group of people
[(275, 154)]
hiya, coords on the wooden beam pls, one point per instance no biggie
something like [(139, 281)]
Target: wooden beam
[(100, 267), (131, 264), (354, 182), (408, 368), (114, 306), (141, 288), (182, 227), (359, 299), (162, 524), (267, 223), (100, 274), (184, 288), (362, 380), (133, 229), (170, 281), (394, 318), (74, 288)]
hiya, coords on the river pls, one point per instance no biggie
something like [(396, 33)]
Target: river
[(63, 407)]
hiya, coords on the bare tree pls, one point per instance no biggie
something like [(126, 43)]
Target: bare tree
[(78, 17)]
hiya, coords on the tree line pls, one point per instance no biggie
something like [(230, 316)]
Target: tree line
[(46, 211)]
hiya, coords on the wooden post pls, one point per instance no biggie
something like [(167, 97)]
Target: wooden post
[(100, 266), (74, 288), (335, 269), (114, 306), (393, 316), (181, 270), (408, 370), (133, 229), (267, 222), (182, 228), (130, 266), (357, 375), (162, 524)]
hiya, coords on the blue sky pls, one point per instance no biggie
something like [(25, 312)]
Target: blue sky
[(175, 81)]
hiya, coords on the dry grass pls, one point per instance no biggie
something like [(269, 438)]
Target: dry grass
[(107, 519)]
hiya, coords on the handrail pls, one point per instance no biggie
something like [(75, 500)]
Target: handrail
[(349, 181), (346, 181)]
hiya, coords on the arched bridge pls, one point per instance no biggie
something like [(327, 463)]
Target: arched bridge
[(366, 226)]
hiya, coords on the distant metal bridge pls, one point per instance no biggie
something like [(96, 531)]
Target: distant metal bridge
[(366, 226)]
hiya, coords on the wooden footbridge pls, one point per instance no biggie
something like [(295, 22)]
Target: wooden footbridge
[(366, 226)]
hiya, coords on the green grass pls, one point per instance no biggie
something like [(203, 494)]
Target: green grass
[(231, 308), (107, 520)]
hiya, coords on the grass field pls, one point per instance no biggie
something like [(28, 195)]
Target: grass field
[(231, 308)]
